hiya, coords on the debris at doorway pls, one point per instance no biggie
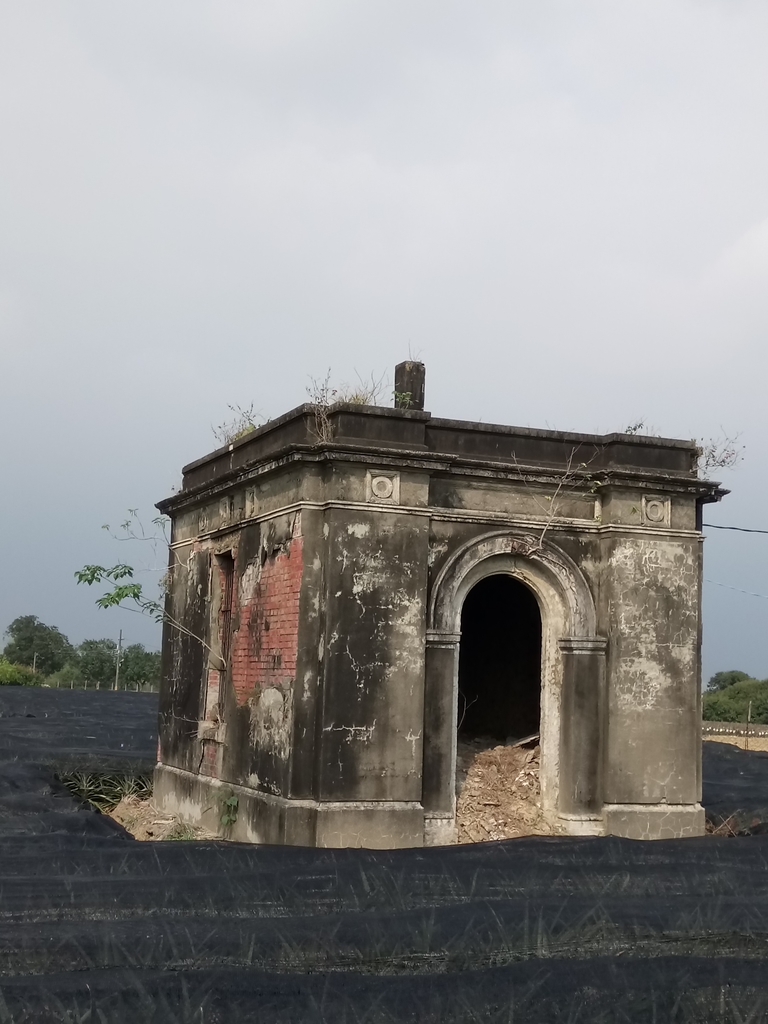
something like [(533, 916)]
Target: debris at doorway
[(498, 791), (145, 822)]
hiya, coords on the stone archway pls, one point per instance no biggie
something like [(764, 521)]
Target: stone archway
[(572, 679), (499, 662)]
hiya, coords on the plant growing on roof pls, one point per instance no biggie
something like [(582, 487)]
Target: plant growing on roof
[(712, 453), (323, 395), (243, 422)]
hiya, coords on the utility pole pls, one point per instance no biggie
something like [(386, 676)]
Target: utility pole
[(117, 659), (34, 662)]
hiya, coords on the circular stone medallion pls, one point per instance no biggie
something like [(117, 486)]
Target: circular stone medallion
[(382, 487)]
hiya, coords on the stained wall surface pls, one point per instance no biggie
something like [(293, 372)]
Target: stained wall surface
[(302, 673)]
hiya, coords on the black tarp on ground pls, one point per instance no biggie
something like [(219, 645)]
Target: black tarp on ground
[(97, 927), (79, 730), (596, 991), (735, 785), (534, 930), (92, 730), (573, 929)]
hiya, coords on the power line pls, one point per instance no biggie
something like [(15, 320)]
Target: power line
[(749, 593), (741, 529), (738, 590)]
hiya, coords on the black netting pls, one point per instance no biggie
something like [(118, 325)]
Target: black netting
[(85, 730), (736, 788), (595, 991), (96, 927)]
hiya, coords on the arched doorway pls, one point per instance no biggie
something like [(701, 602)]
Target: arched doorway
[(499, 690), (572, 674), (498, 711)]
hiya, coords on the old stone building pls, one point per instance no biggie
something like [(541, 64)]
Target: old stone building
[(350, 585)]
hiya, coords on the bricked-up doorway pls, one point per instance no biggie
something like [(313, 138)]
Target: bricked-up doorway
[(499, 661)]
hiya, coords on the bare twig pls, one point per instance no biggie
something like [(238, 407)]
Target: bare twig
[(723, 452), (323, 396), (551, 504), (467, 706)]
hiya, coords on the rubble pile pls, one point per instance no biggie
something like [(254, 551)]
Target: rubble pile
[(145, 822), (497, 791)]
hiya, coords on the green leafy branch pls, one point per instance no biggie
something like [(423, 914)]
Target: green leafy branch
[(120, 592), (229, 808), (129, 592)]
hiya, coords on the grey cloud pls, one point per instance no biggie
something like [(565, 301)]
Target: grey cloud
[(561, 207)]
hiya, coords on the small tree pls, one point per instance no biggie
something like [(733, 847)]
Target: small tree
[(721, 680), (17, 675), (123, 592), (715, 453), (67, 676), (140, 666), (97, 660), (732, 703), (33, 643)]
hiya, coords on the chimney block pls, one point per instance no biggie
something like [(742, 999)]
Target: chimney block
[(409, 385)]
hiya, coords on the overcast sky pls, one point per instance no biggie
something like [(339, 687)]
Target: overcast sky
[(560, 205)]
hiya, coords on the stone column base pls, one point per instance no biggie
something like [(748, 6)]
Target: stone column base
[(372, 825), (264, 818), (653, 821), (440, 830), (580, 824)]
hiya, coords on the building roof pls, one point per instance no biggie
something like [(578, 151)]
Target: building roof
[(366, 433)]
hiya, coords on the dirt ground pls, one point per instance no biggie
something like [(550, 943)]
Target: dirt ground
[(497, 790), (145, 822), (755, 742)]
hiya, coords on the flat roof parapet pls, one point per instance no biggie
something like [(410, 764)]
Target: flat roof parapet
[(365, 429)]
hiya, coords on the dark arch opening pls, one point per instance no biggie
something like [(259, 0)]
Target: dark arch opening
[(499, 661)]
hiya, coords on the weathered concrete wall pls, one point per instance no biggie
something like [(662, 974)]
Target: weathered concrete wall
[(184, 657), (307, 702), (313, 707), (650, 608), (237, 721), (528, 500), (373, 662)]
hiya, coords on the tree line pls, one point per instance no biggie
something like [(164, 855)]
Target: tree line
[(729, 695), (37, 653)]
